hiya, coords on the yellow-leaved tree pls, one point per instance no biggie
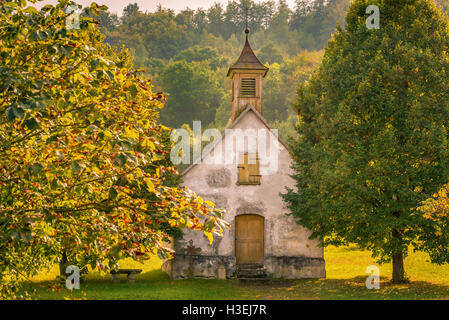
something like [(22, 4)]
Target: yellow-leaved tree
[(84, 168)]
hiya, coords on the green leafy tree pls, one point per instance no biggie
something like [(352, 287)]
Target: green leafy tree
[(158, 32), (278, 96), (373, 135), (275, 100), (279, 24), (84, 167), (109, 21), (130, 10), (314, 22), (270, 53), (194, 93), (185, 18), (198, 53), (200, 20), (215, 17)]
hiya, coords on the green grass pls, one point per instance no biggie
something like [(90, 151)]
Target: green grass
[(345, 279)]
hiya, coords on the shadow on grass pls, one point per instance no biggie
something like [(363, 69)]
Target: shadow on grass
[(156, 285), (355, 289), (151, 285), (344, 289), (96, 277)]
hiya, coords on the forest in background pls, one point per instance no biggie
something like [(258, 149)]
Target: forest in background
[(187, 54)]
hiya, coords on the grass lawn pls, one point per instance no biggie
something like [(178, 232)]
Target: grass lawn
[(345, 269)]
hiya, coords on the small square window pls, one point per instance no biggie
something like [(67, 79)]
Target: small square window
[(249, 173)]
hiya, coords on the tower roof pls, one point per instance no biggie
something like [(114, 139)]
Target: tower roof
[(248, 60)]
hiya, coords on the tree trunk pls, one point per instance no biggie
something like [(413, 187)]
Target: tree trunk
[(398, 268), (63, 265), (398, 259)]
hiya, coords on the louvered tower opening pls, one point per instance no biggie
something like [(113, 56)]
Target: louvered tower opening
[(248, 87)]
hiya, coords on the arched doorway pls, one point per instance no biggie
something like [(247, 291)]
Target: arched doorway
[(249, 239)]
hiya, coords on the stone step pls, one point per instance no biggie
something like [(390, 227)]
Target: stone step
[(251, 271), (254, 280), (250, 265), (254, 273), (251, 275), (250, 268)]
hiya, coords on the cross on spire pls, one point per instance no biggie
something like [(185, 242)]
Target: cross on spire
[(246, 21)]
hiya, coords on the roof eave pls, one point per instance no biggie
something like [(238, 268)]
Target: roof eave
[(263, 70), (231, 126)]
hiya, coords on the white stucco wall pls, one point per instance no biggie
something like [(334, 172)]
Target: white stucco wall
[(218, 183)]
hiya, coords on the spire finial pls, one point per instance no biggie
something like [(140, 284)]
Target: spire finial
[(246, 21)]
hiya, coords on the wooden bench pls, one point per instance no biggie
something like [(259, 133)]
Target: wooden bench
[(131, 273)]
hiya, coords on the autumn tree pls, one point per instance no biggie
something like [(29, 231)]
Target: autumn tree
[(83, 159), (373, 140), (444, 5)]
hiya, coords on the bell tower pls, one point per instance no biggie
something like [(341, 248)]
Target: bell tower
[(246, 75)]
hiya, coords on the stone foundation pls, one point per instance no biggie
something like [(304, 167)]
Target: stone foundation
[(219, 267), (205, 267), (295, 267)]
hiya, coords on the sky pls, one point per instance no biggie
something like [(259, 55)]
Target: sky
[(116, 6)]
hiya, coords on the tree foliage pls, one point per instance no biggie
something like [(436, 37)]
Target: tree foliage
[(194, 92), (373, 135), (84, 165), (213, 40), (279, 34)]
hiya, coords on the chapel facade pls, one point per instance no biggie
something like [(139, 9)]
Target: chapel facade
[(245, 172)]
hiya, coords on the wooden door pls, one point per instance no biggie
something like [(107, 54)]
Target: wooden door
[(249, 239)]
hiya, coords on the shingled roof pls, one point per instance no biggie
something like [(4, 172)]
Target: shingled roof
[(248, 60)]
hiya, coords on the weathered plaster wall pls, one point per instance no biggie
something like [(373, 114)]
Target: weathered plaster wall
[(288, 251)]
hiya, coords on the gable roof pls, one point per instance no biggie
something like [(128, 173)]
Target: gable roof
[(248, 60), (231, 126)]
